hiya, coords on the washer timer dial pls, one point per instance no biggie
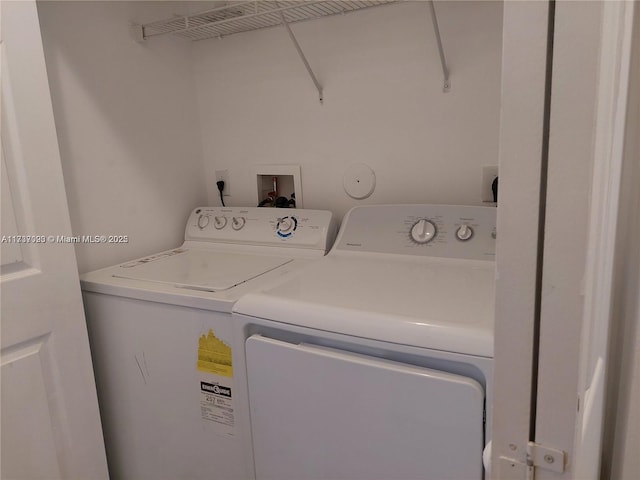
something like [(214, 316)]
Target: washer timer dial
[(423, 231), (286, 226)]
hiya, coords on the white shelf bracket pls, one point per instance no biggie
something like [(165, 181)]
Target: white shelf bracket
[(302, 57), (443, 60)]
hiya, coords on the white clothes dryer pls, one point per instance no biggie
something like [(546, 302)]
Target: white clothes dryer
[(376, 361), (172, 399)]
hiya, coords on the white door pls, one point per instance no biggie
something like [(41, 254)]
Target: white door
[(322, 413), (50, 421)]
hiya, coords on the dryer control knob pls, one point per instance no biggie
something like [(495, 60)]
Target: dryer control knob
[(238, 222), (203, 221), (423, 231), (464, 233), (219, 222)]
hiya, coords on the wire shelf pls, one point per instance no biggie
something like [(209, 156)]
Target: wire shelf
[(243, 16)]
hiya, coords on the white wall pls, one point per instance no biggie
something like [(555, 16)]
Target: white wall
[(383, 104), (127, 126)]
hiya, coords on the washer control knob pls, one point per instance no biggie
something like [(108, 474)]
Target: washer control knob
[(238, 222), (423, 231), (286, 226), (219, 222), (464, 233), (203, 221)]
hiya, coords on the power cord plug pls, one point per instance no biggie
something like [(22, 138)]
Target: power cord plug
[(494, 189), (220, 184)]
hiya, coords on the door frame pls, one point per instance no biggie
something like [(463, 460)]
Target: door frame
[(539, 400), (521, 153)]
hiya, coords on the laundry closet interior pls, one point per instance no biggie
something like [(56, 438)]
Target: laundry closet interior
[(144, 126), (355, 108)]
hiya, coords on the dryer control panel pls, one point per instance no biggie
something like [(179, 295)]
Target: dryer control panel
[(299, 228), (447, 231)]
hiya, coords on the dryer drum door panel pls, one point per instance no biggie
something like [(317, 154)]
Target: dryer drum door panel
[(321, 413)]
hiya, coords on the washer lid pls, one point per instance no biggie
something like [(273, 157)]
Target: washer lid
[(203, 270)]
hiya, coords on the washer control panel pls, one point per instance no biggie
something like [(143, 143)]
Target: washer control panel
[(262, 226), (448, 231)]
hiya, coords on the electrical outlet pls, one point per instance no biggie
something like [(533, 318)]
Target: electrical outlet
[(489, 174), (224, 176)]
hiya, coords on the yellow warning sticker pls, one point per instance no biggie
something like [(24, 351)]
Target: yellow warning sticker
[(214, 356)]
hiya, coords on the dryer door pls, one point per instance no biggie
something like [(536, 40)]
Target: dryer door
[(321, 413)]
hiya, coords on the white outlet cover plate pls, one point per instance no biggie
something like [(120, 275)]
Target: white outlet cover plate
[(359, 181)]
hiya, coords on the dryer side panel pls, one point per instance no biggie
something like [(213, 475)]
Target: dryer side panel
[(320, 413)]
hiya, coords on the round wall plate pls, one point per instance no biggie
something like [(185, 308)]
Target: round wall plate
[(359, 181)]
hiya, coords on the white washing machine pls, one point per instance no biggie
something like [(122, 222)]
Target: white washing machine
[(376, 361), (172, 398)]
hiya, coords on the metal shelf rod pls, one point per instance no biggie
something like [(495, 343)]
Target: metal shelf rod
[(302, 57), (443, 60)]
